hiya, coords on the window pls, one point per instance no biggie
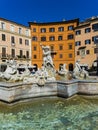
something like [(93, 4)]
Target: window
[(87, 51), (70, 46), (52, 48), (3, 37), (78, 32), (82, 52), (12, 28), (27, 42), (2, 25), (35, 56), (13, 53), (88, 41), (42, 30), (78, 53), (21, 53), (70, 27), (70, 55), (60, 47), (34, 38), (43, 38), (20, 30), (61, 29), (51, 29), (52, 38), (60, 56), (34, 29), (95, 39), (78, 43), (95, 27), (60, 38), (87, 30), (34, 48), (27, 32), (70, 67), (12, 39), (71, 36), (20, 40), (3, 52), (95, 50), (27, 54)]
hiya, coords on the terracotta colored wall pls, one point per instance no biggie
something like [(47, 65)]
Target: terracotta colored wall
[(65, 42)]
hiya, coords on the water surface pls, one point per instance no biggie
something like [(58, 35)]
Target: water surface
[(75, 113)]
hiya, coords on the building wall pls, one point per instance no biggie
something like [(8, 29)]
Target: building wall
[(92, 56), (10, 31), (65, 51)]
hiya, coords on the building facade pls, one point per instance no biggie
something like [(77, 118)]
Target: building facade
[(86, 35), (15, 42), (61, 39)]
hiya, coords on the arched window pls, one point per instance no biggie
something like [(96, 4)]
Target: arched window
[(70, 67)]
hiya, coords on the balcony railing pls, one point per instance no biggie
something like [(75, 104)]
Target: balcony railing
[(17, 57), (23, 57)]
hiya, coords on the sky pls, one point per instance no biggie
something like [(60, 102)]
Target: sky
[(24, 11)]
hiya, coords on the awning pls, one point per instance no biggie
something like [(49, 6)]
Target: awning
[(82, 47), (53, 53)]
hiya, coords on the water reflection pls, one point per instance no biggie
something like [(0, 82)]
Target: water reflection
[(77, 113)]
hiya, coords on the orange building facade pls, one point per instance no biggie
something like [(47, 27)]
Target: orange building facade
[(61, 39)]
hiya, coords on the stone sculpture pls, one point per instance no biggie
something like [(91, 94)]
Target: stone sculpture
[(47, 58), (63, 71), (78, 72), (46, 72), (48, 63)]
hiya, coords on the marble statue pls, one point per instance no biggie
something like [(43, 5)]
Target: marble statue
[(12, 74), (47, 58), (84, 74), (78, 72), (48, 63), (63, 71)]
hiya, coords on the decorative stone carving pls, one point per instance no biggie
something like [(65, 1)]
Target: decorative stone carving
[(63, 71), (47, 59), (48, 66), (79, 73)]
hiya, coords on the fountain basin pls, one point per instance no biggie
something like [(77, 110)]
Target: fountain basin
[(13, 92)]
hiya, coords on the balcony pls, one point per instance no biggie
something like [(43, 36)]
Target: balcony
[(22, 57), (3, 56)]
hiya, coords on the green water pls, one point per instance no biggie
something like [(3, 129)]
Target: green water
[(76, 113)]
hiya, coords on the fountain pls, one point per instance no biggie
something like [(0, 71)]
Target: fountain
[(21, 105), (15, 86)]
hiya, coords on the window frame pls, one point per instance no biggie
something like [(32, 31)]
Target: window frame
[(77, 32), (3, 37), (60, 29), (43, 30), (51, 29), (43, 38), (71, 27)]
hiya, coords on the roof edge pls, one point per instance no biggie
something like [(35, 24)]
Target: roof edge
[(3, 19), (58, 22)]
